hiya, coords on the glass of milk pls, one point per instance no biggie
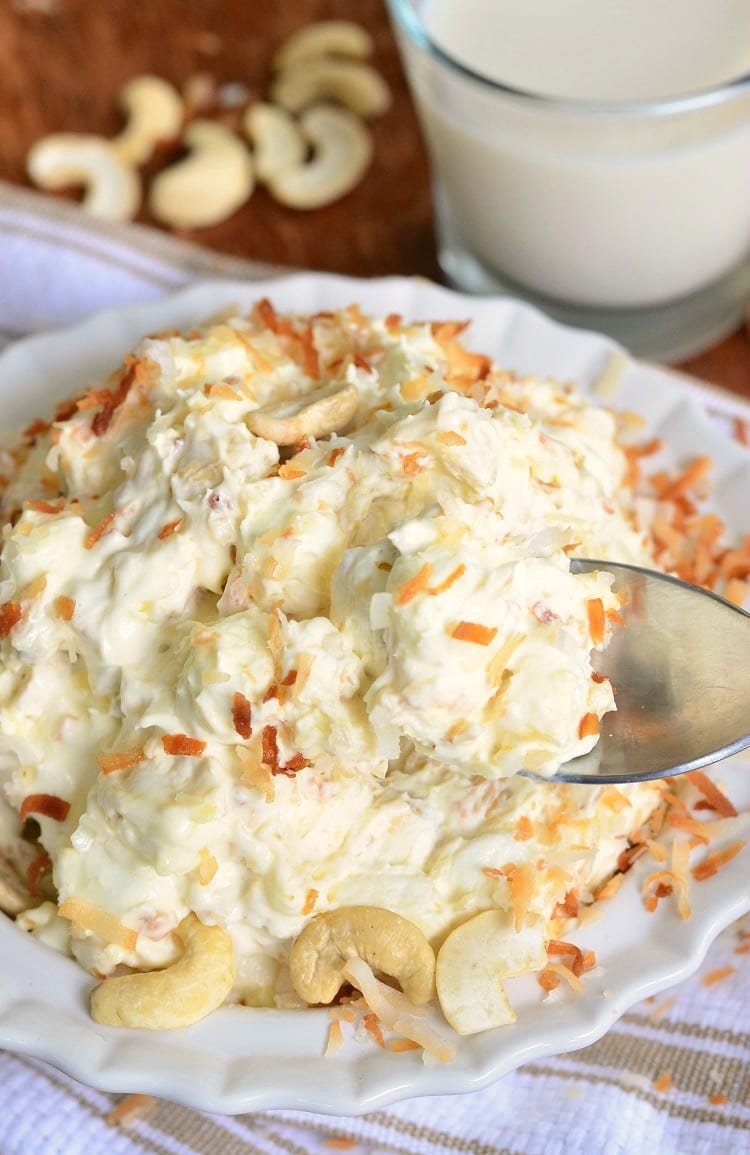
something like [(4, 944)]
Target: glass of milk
[(593, 155)]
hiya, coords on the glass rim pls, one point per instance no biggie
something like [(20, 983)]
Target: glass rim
[(405, 13)]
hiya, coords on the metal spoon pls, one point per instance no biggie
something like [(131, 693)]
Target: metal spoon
[(680, 667)]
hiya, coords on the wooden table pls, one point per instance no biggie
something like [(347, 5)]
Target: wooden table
[(62, 63)]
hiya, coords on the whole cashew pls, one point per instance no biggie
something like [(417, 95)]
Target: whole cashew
[(388, 942), (154, 110), (325, 38), (350, 82), (343, 150), (209, 185), (474, 960), (312, 415), (277, 142), (179, 995), (113, 190)]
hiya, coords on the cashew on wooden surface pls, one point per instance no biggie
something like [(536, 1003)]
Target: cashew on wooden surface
[(154, 113), (324, 38), (357, 86), (112, 188), (208, 185), (277, 141), (474, 960), (177, 996), (326, 410), (386, 941), (342, 151)]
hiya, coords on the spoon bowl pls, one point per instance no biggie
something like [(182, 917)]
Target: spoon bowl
[(680, 667)]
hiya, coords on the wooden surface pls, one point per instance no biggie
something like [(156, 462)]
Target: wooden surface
[(62, 63)]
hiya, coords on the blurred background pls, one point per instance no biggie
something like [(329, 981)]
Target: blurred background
[(63, 62)]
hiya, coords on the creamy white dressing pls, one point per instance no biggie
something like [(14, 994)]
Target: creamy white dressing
[(392, 607)]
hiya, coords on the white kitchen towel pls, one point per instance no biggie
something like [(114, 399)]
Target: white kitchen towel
[(672, 1076)]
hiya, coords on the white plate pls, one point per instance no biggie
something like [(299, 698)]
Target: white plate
[(240, 1059)]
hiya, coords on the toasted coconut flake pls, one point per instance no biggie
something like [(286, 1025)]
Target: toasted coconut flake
[(99, 531), (222, 392), (242, 716), (521, 882), (474, 632), (449, 437), (614, 800), (412, 463), (718, 975), (710, 791), (597, 620), (290, 472), (681, 821), (65, 607), (48, 804), (588, 726), (10, 615), (310, 899), (610, 888), (524, 829), (688, 479), (97, 920), (46, 507), (170, 528), (394, 1011), (737, 591), (627, 857), (498, 663), (372, 1026), (398, 1046), (563, 972), (663, 1083), (414, 586), (569, 907), (713, 862), (122, 760), (255, 775), (335, 1039), (665, 882), (129, 1109), (270, 748), (182, 745), (568, 950)]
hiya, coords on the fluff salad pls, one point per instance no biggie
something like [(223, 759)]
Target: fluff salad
[(264, 682)]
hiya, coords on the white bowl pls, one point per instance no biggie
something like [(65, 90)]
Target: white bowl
[(241, 1059)]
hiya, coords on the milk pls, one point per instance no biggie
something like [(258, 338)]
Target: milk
[(597, 205)]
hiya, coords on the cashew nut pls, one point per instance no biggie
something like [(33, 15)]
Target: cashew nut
[(312, 415), (154, 111), (474, 960), (180, 994), (277, 141), (113, 190), (207, 186), (356, 85), (388, 942), (342, 151), (325, 38)]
